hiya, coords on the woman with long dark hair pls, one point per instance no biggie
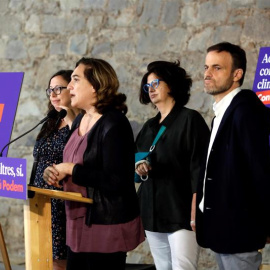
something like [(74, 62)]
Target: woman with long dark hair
[(48, 150)]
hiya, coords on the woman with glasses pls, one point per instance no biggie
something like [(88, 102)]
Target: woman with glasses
[(48, 150), (167, 196), (99, 163)]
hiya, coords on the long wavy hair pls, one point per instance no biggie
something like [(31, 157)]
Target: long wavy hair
[(49, 125), (103, 78)]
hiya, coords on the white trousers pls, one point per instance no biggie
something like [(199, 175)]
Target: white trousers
[(177, 250)]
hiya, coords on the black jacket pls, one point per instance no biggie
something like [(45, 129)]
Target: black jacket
[(108, 170), (237, 205), (165, 198)]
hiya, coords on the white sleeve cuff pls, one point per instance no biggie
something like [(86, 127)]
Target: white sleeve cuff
[(140, 162)]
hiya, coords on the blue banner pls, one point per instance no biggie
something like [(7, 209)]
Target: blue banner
[(261, 84), (13, 181), (10, 89)]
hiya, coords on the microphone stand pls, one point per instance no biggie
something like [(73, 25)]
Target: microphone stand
[(1, 154), (51, 114)]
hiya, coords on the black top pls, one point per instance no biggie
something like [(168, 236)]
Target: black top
[(47, 151), (165, 198), (108, 170)]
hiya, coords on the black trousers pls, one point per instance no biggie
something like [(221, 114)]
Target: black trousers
[(95, 261)]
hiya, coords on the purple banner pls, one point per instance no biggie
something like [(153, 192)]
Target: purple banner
[(261, 84), (10, 91), (13, 183)]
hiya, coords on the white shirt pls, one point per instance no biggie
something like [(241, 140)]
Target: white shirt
[(219, 110)]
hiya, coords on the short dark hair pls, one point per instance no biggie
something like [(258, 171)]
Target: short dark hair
[(238, 56), (104, 80), (177, 79)]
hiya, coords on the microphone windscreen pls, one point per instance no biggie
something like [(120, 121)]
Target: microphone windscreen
[(52, 114), (62, 114)]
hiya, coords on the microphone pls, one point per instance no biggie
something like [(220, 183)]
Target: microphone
[(62, 114), (51, 114)]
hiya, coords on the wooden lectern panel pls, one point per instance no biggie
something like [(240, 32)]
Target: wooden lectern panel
[(39, 233), (37, 226)]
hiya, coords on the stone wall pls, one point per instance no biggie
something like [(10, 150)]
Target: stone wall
[(40, 37)]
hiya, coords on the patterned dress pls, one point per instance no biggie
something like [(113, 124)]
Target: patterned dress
[(49, 151)]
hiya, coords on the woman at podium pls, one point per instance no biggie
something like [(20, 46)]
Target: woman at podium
[(99, 163), (49, 148)]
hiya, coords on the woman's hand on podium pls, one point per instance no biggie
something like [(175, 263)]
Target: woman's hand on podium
[(53, 174)]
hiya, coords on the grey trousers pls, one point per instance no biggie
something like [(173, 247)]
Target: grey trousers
[(239, 261)]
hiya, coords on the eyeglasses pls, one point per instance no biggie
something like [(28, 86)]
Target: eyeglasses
[(57, 90), (154, 84)]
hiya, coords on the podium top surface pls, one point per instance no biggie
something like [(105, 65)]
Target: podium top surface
[(58, 194)]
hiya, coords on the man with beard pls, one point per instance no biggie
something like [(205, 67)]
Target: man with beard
[(232, 216)]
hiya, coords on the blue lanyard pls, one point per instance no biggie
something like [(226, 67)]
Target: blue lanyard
[(160, 132)]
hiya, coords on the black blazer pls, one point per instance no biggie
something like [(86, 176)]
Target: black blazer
[(237, 205)]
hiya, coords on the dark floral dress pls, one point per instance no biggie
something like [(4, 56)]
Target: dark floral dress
[(49, 151)]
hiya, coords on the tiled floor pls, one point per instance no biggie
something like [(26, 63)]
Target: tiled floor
[(129, 267)]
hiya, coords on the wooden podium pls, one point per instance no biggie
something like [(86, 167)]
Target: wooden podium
[(37, 226)]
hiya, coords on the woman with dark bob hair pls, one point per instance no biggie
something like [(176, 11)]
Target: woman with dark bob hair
[(99, 163), (168, 193)]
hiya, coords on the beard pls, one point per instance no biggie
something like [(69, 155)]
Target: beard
[(219, 89)]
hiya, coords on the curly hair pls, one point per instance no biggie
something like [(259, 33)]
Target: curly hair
[(177, 79), (49, 125), (103, 78)]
